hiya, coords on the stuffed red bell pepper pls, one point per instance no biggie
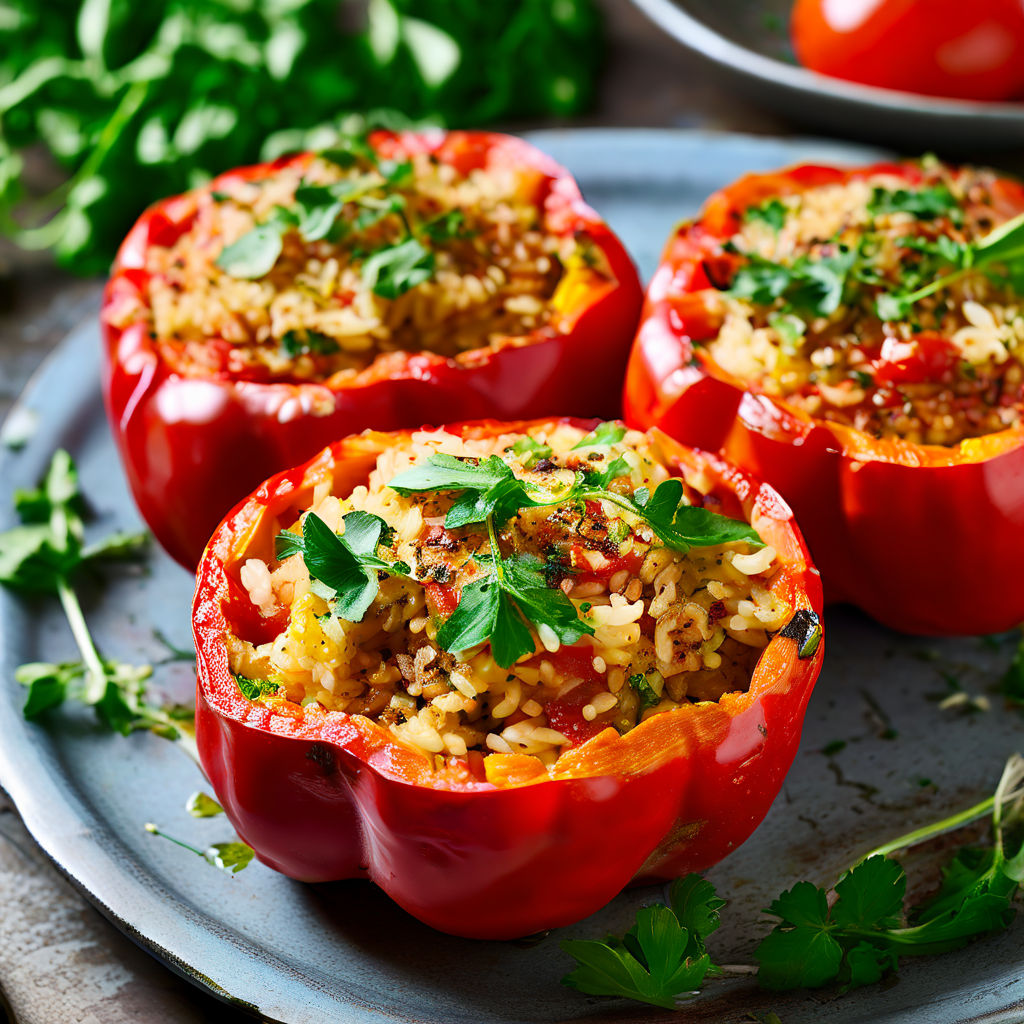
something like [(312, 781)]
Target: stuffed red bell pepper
[(394, 281), (856, 337), (502, 670)]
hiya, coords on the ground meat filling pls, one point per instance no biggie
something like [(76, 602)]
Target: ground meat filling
[(373, 257), (668, 628), (803, 307)]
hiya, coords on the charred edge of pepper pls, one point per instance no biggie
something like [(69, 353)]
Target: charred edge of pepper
[(322, 756), (805, 629)]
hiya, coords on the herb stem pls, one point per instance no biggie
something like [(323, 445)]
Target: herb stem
[(96, 677), (155, 830), (492, 535), (1009, 788)]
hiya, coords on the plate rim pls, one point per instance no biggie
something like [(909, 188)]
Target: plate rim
[(57, 815), (698, 36)]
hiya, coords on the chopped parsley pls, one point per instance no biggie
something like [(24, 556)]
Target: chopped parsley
[(301, 343), (649, 696), (318, 213), (926, 203), (772, 212)]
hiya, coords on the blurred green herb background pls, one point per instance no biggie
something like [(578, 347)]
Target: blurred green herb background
[(134, 100)]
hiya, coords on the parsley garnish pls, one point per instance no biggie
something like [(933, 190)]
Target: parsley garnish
[(661, 957), (301, 343), (1001, 247), (813, 286), (853, 938), (393, 270), (923, 203), (255, 253), (199, 805), (346, 566), (604, 435), (390, 270), (772, 212), (649, 697), (514, 592), (253, 689), (42, 556), (496, 608), (228, 857), (861, 935)]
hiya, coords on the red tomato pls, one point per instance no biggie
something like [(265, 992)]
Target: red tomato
[(925, 357), (967, 49)]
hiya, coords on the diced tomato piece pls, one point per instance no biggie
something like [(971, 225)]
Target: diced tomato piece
[(926, 357)]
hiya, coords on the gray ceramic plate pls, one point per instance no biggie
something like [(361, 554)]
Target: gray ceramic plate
[(748, 39), (342, 953)]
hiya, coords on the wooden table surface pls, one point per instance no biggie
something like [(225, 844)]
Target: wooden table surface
[(61, 962)]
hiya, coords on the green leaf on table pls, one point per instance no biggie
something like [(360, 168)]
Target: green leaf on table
[(660, 959), (200, 805)]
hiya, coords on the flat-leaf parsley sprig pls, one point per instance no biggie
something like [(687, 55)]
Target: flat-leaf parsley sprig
[(852, 933), (389, 270), (660, 958), (42, 556), (511, 594), (346, 567)]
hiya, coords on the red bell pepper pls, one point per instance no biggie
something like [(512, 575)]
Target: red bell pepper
[(193, 446), (925, 538), (324, 795)]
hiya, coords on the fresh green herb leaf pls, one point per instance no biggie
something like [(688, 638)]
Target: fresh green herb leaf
[(199, 805), (295, 343), (813, 286), (533, 451), (345, 566), (772, 212), (254, 254), (790, 329), (445, 227), (253, 689), (47, 684), (681, 526), (474, 618), (649, 697), (544, 606), (490, 487), (603, 436), (864, 931), (227, 857), (395, 270), (42, 556), (923, 203), (230, 857), (661, 958)]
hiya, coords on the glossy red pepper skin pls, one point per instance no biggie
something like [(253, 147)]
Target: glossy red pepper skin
[(326, 796), (926, 539), (193, 446)]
